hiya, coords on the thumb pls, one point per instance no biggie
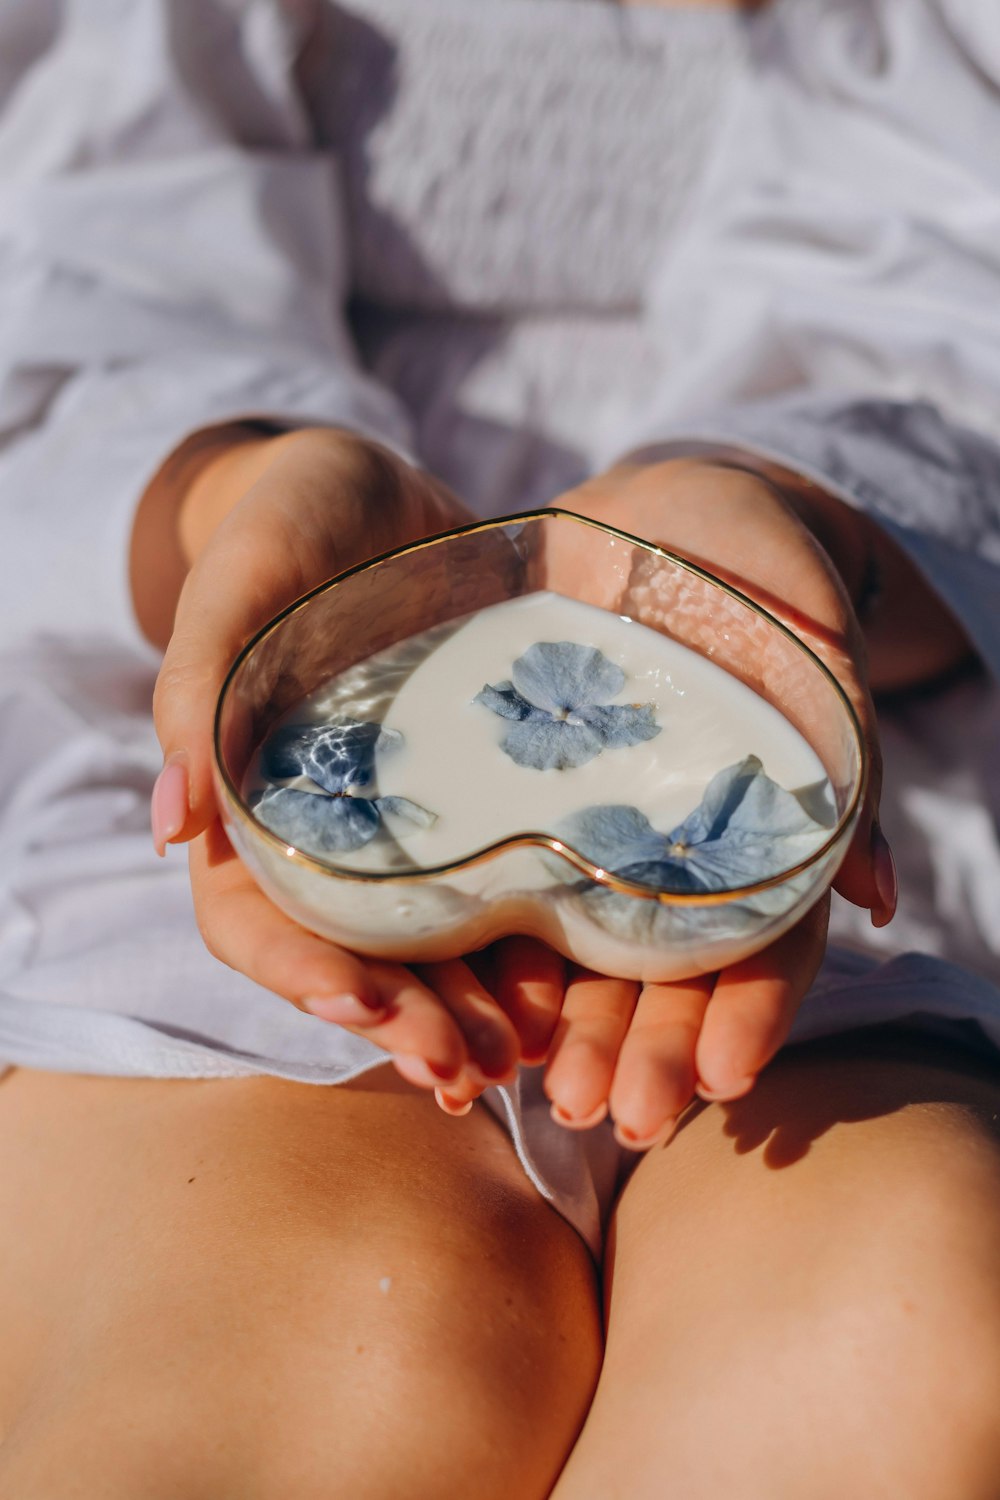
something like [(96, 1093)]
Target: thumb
[(212, 623)]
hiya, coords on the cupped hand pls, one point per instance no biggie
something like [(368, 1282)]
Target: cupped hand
[(263, 523), (765, 542), (642, 1053)]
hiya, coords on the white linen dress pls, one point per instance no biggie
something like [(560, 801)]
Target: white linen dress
[(514, 240)]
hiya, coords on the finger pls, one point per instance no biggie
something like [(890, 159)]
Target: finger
[(656, 1075), (595, 1018), (491, 1042), (753, 1006), (381, 1001), (245, 576), (529, 982), (458, 1098)]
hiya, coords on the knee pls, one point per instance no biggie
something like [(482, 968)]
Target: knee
[(882, 1324), (899, 1335), (379, 1365), (425, 1373), (844, 1334)]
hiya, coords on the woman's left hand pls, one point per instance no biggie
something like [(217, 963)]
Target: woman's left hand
[(642, 1052)]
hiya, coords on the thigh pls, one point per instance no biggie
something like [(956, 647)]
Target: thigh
[(251, 1286), (803, 1291)]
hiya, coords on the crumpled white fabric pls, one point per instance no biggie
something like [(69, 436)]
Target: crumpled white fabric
[(171, 255), (846, 240)]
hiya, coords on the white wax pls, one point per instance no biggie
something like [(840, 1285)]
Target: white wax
[(451, 762)]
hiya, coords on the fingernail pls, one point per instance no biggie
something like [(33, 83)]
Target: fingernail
[(886, 882), (421, 1073), (633, 1142), (453, 1107), (578, 1122), (344, 1010), (734, 1090), (169, 804)]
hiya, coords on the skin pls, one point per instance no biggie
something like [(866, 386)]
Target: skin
[(801, 1298), (253, 522)]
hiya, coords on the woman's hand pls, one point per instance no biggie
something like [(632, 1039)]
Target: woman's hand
[(248, 524), (753, 535), (643, 1052)]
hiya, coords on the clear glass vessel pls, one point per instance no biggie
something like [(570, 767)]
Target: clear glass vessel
[(531, 881)]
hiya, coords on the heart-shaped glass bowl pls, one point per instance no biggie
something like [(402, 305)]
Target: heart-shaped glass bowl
[(531, 881)]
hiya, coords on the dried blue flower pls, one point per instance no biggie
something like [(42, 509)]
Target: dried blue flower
[(340, 758), (559, 700), (337, 757), (746, 828)]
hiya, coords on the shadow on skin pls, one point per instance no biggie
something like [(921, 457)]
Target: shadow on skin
[(804, 1094)]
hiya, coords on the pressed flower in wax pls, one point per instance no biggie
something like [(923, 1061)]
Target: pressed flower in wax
[(339, 759), (560, 697)]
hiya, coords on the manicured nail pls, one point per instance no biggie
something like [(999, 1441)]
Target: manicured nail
[(578, 1122), (734, 1090), (344, 1010), (421, 1073), (633, 1142), (454, 1107), (169, 805), (886, 882)]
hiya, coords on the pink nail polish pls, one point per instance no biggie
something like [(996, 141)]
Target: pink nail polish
[(886, 882), (169, 805), (452, 1106), (578, 1122), (633, 1142), (734, 1090), (343, 1010)]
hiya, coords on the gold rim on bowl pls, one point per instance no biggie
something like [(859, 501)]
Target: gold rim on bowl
[(532, 838)]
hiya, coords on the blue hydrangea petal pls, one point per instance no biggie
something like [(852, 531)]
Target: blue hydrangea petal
[(621, 839), (723, 798), (560, 675), (404, 808), (337, 757), (505, 700), (614, 835), (746, 828), (545, 744), (317, 824), (557, 701), (286, 751), (618, 725)]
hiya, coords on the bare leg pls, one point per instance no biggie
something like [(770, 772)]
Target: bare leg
[(258, 1288), (804, 1292)]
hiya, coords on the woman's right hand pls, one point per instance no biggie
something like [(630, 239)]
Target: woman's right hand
[(261, 521)]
